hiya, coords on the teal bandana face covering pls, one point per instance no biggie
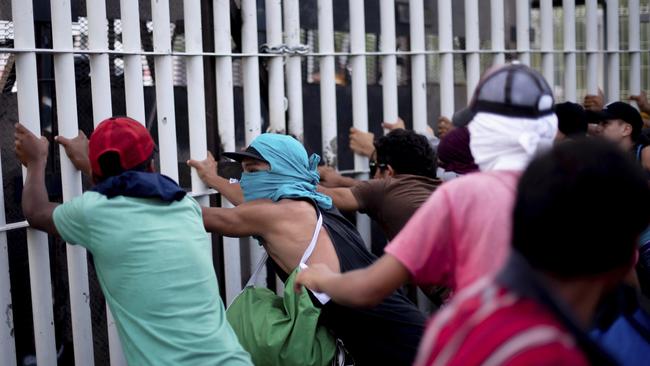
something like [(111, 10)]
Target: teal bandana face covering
[(292, 173)]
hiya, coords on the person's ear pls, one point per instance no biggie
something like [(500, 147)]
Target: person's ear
[(627, 129), (390, 172)]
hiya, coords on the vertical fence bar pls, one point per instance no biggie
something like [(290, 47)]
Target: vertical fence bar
[(164, 89), (226, 119), (591, 22), (472, 45), (570, 80), (252, 114), (99, 67), (388, 62), (523, 31), (277, 123), (133, 85), (359, 98), (546, 15), (7, 341), (195, 92), (37, 243), (418, 66), (66, 106), (497, 31), (294, 72), (102, 108), (445, 33), (327, 82), (613, 58), (134, 96), (634, 48)]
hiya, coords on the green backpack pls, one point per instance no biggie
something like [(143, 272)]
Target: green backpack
[(282, 330)]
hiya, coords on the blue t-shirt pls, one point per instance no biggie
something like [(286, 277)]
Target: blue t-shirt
[(154, 263), (625, 341)]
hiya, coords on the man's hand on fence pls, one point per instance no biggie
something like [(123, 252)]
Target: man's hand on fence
[(594, 102), (641, 101), (399, 124), (362, 142), (30, 149), (444, 126), (206, 169), (328, 176), (77, 150)]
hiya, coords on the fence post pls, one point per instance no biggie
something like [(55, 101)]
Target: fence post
[(445, 34), (613, 58), (472, 45), (277, 123), (294, 72), (570, 83), (523, 31), (165, 111), (37, 242), (497, 31), (66, 106), (546, 15)]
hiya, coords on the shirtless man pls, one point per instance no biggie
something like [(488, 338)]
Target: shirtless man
[(280, 207)]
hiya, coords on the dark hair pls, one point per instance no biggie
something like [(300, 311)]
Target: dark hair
[(571, 119), (110, 165), (580, 209), (407, 152)]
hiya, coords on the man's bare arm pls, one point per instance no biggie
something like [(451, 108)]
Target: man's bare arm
[(32, 153), (359, 288), (207, 171), (342, 198), (251, 218)]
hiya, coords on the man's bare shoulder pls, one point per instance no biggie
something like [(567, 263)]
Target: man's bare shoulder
[(283, 207)]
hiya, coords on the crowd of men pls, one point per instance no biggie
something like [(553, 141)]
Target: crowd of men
[(532, 215)]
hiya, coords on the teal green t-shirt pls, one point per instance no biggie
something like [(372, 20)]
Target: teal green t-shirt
[(154, 263)]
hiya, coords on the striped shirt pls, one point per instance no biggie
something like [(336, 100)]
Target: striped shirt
[(486, 324)]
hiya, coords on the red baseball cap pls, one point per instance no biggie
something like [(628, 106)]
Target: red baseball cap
[(124, 136)]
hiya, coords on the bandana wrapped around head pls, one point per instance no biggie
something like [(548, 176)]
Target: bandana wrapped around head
[(508, 143), (454, 154), (292, 173)]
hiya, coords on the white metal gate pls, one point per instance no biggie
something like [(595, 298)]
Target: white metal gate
[(587, 55)]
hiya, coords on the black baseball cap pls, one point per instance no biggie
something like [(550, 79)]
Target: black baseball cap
[(513, 90), (622, 111), (249, 153), (572, 119)]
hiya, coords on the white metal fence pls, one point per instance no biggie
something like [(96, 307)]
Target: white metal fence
[(577, 48)]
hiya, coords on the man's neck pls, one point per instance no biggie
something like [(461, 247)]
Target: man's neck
[(627, 144), (581, 295)]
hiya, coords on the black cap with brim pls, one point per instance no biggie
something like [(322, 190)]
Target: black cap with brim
[(622, 111), (249, 153)]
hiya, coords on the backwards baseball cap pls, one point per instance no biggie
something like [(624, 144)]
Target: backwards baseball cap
[(124, 136), (512, 90), (622, 111), (249, 153)]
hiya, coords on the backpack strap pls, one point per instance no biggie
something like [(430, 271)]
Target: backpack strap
[(322, 297), (314, 239), (258, 269)]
